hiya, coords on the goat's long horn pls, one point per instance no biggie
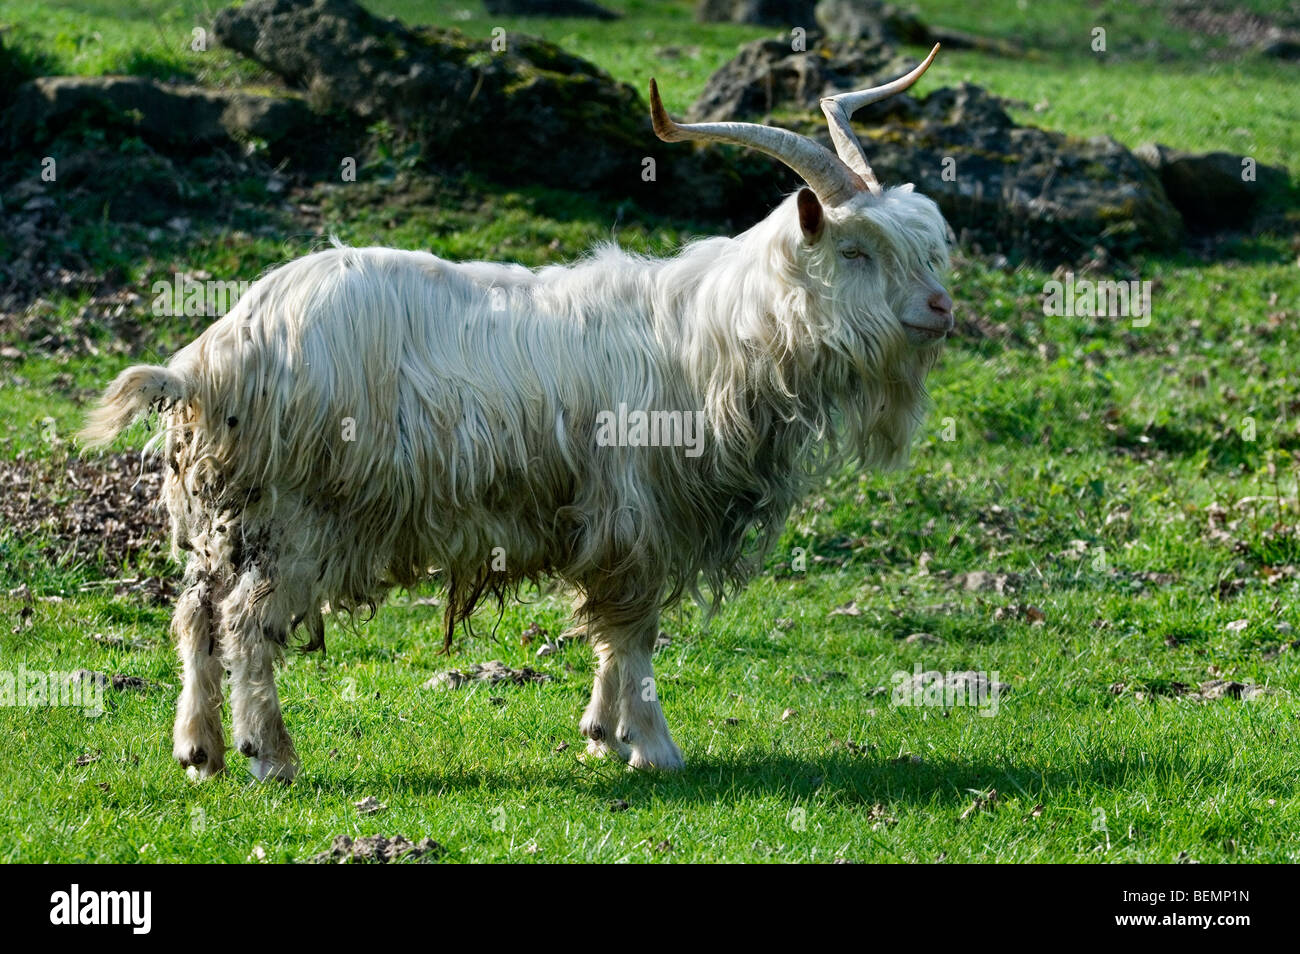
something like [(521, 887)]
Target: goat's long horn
[(827, 175), (840, 108)]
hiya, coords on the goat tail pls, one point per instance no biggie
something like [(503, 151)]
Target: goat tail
[(135, 391)]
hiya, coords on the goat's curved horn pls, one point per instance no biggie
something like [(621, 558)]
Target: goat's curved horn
[(833, 182), (840, 108)]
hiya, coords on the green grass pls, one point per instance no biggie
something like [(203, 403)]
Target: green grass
[(1082, 458), (485, 779)]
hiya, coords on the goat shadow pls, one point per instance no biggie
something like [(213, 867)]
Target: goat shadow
[(844, 776)]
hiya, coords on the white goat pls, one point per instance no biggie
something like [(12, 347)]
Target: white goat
[(364, 415)]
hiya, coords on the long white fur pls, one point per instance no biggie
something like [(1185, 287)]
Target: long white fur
[(472, 393)]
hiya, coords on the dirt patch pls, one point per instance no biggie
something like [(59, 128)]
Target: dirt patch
[(1242, 28), (1025, 612), (1212, 690), (54, 237), (377, 849), (119, 682), (979, 581), (103, 512), (952, 685), (109, 322), (492, 673)]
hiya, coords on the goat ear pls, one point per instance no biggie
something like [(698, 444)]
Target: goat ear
[(811, 217)]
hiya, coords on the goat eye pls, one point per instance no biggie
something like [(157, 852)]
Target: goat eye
[(853, 253)]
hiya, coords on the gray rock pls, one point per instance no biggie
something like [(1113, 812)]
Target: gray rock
[(1209, 188), (767, 74), (871, 20), (791, 13), (1019, 190), (530, 114), (532, 106), (1283, 47), (880, 22), (159, 112)]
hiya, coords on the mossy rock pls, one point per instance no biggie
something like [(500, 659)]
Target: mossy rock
[(525, 112), (1019, 190)]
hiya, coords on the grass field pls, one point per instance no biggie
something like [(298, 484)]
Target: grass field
[(1104, 516)]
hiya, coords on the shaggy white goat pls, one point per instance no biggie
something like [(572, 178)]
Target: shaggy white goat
[(364, 415)]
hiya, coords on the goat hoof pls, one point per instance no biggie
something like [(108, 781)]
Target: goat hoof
[(660, 755), (196, 757), (191, 757), (595, 732), (198, 771)]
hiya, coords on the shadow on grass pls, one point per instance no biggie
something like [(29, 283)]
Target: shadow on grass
[(840, 777)]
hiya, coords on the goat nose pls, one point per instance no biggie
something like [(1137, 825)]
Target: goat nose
[(940, 303)]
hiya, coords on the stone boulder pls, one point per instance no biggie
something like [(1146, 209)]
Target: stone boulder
[(530, 114), (161, 113), (880, 22), (871, 20), (767, 75), (1018, 190), (789, 13), (1214, 189), (549, 8), (1282, 47)]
